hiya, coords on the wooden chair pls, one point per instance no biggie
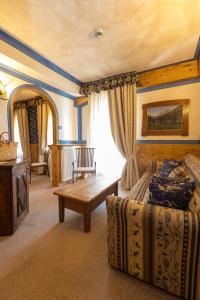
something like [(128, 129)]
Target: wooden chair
[(84, 163), (41, 164)]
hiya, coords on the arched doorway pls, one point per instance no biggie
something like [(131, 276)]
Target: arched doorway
[(38, 90)]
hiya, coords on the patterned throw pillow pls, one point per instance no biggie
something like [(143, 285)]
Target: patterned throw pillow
[(168, 166), (158, 167), (168, 180), (177, 172), (176, 195)]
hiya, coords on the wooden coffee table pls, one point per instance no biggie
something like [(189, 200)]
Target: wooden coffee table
[(85, 195)]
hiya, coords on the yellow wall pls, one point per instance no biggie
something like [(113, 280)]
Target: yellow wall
[(190, 91), (66, 111)]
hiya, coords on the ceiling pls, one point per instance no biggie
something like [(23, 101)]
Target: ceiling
[(25, 94), (138, 34)]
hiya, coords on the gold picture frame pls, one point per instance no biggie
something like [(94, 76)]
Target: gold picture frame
[(170, 117)]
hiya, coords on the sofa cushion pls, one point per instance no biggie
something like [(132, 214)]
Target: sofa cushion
[(168, 166), (177, 172), (168, 180), (192, 167), (171, 194)]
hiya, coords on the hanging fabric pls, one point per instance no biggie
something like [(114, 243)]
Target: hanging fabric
[(122, 108), (22, 118), (108, 159), (42, 119)]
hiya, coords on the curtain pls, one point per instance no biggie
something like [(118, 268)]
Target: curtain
[(49, 126), (109, 160), (17, 136), (42, 119), (22, 119), (122, 108)]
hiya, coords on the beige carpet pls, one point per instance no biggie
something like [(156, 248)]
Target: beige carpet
[(47, 260)]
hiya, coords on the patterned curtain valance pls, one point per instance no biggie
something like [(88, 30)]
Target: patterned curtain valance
[(30, 102), (109, 83)]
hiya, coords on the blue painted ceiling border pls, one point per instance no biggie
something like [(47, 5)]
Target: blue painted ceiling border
[(197, 51), (26, 49), (34, 81), (168, 141)]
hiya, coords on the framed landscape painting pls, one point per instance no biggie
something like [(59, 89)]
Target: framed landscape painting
[(165, 118)]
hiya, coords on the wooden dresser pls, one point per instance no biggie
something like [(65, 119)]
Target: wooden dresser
[(14, 194)]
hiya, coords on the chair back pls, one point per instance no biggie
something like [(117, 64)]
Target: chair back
[(85, 157), (46, 155)]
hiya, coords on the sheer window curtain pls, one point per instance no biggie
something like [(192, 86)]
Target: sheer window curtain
[(17, 137), (42, 118), (109, 160), (49, 138)]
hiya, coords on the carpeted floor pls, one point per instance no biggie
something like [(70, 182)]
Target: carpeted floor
[(45, 260)]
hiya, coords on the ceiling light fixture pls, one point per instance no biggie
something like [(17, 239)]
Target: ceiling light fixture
[(98, 32)]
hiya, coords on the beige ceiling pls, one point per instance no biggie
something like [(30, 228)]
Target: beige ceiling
[(25, 94), (138, 34)]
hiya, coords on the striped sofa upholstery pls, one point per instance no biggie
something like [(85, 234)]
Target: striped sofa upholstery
[(156, 244)]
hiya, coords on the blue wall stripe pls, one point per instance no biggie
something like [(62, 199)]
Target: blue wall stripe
[(68, 142), (34, 81), (168, 85), (197, 52), (21, 46), (79, 125), (139, 142), (84, 104), (168, 142)]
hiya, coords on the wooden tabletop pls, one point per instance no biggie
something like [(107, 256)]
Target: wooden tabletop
[(87, 189)]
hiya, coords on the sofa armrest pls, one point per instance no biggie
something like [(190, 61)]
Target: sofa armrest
[(152, 166), (154, 243)]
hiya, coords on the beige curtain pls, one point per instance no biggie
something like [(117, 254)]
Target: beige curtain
[(122, 108), (22, 118), (42, 118)]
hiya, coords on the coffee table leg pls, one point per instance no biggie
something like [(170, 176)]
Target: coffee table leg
[(87, 221), (61, 209)]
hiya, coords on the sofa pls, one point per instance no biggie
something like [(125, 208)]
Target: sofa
[(157, 244)]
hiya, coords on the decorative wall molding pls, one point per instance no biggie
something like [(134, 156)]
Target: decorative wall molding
[(81, 101), (168, 65), (184, 142), (168, 85), (173, 73), (26, 49), (34, 81)]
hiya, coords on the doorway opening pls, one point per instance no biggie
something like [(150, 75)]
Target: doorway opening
[(33, 123)]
